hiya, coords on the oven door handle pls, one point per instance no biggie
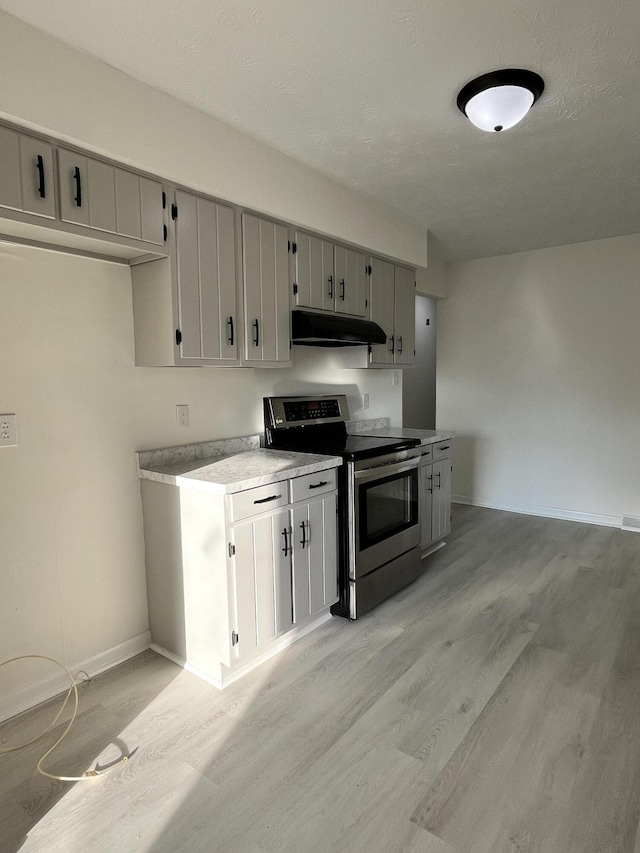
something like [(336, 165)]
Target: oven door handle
[(386, 470)]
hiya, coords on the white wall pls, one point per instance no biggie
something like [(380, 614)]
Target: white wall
[(538, 358), (71, 547)]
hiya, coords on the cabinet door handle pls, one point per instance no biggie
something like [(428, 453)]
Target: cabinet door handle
[(256, 333), (267, 500), (303, 541), (400, 342), (330, 287), (430, 489), (230, 325), (392, 344), (342, 289), (40, 167), (285, 533), (439, 480), (78, 180), (318, 485)]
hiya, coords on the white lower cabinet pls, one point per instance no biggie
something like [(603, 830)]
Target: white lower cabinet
[(231, 579), (435, 494)]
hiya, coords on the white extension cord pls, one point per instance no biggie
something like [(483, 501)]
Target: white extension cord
[(88, 774)]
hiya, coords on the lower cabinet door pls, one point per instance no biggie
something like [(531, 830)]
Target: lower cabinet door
[(426, 506), (262, 581), (315, 572), (441, 510)]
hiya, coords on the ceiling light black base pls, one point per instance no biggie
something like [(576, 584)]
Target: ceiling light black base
[(503, 77)]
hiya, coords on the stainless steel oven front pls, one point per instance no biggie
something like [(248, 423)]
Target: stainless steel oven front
[(384, 520)]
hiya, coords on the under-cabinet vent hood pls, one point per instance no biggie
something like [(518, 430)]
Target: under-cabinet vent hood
[(332, 330)]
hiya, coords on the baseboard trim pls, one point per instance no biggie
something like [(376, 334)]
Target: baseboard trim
[(229, 677), (542, 511), (31, 695)]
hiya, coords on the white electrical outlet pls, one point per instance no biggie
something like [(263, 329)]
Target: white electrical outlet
[(182, 415), (365, 401), (8, 431), (395, 379)]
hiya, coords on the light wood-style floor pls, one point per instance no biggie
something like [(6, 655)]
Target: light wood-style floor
[(491, 707)]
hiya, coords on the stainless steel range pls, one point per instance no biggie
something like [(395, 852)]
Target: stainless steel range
[(378, 517)]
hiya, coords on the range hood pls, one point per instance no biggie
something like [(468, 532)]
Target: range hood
[(332, 330)]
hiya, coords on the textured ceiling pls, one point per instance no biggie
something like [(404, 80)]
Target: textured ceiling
[(364, 91)]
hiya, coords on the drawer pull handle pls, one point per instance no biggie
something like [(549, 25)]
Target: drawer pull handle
[(446, 447), (266, 500), (318, 485)]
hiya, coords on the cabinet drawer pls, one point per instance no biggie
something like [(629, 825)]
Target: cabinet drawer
[(261, 499), (303, 488), (442, 449)]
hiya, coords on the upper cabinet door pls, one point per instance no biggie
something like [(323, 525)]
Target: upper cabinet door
[(381, 309), (266, 290), (26, 174), (350, 281), (206, 279), (313, 272), (101, 196), (404, 318), (74, 197), (36, 175)]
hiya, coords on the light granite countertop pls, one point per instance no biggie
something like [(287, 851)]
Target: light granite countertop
[(426, 436), (228, 466)]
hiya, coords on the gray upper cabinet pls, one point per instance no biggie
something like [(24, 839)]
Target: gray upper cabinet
[(328, 276), (206, 279), (106, 198), (381, 309), (392, 306), (312, 260), (26, 174), (185, 306), (351, 281), (265, 258), (404, 324)]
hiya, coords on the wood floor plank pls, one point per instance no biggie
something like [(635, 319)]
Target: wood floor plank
[(494, 701)]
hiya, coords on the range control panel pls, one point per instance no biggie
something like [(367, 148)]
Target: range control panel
[(296, 411), (311, 410)]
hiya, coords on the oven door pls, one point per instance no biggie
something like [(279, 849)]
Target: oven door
[(385, 520)]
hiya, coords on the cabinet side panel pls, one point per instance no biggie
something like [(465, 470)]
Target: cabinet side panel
[(300, 566), (268, 232), (163, 559), (264, 583), (153, 313)]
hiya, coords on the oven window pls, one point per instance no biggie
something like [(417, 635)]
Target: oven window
[(387, 506)]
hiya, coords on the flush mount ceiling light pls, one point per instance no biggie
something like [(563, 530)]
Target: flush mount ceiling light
[(500, 99)]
